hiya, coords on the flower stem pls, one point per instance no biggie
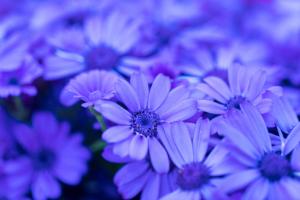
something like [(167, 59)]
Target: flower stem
[(99, 144), (21, 111), (99, 118)]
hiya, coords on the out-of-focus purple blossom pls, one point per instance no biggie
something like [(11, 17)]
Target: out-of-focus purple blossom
[(53, 154), (264, 172), (136, 132), (98, 45), (18, 69), (90, 87)]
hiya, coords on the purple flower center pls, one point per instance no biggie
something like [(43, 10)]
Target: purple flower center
[(102, 57), (235, 102), (274, 167), (13, 81), (193, 176), (145, 122), (44, 159)]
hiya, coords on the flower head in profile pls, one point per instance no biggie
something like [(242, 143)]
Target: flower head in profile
[(101, 44), (136, 132), (196, 173), (53, 154), (244, 85), (265, 172), (89, 87)]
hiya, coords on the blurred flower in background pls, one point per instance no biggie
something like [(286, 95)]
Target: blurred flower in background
[(152, 99)]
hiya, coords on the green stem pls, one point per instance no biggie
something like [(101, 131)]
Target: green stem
[(21, 111), (99, 144), (99, 118)]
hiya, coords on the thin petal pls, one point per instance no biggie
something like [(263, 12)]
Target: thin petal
[(219, 85), (158, 155), (211, 107), (292, 140), (258, 190), (200, 139), (159, 91), (127, 95), (117, 134), (138, 148), (140, 85), (152, 188), (114, 112), (182, 111)]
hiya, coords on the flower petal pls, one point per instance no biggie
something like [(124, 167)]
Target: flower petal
[(138, 148), (117, 134), (158, 155), (127, 95), (159, 91)]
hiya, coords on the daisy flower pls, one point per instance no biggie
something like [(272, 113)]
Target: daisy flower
[(53, 154), (89, 87), (101, 44), (265, 173), (136, 132), (196, 173), (244, 85)]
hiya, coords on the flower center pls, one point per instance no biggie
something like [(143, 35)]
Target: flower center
[(145, 122), (274, 167), (193, 176), (235, 102), (44, 159), (102, 57)]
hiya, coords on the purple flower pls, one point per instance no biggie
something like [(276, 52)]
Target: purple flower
[(14, 179), (102, 44), (90, 87), (139, 176), (18, 69), (244, 85), (137, 126), (53, 154), (264, 172), (187, 145)]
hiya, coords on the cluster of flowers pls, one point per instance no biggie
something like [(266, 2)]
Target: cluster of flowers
[(197, 99)]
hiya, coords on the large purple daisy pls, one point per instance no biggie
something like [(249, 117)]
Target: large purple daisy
[(53, 154), (146, 110), (265, 172)]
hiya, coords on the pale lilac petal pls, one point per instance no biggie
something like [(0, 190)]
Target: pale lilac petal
[(238, 139), (114, 112), (256, 85), (258, 128), (131, 189), (117, 134), (56, 67), (159, 91), (127, 95), (158, 155), (122, 148), (140, 85), (292, 140), (233, 71), (295, 161), (166, 135), (200, 139), (152, 188), (175, 96), (182, 140), (238, 180), (258, 190), (130, 172), (206, 89), (220, 86), (138, 148), (211, 107), (182, 111), (92, 29)]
